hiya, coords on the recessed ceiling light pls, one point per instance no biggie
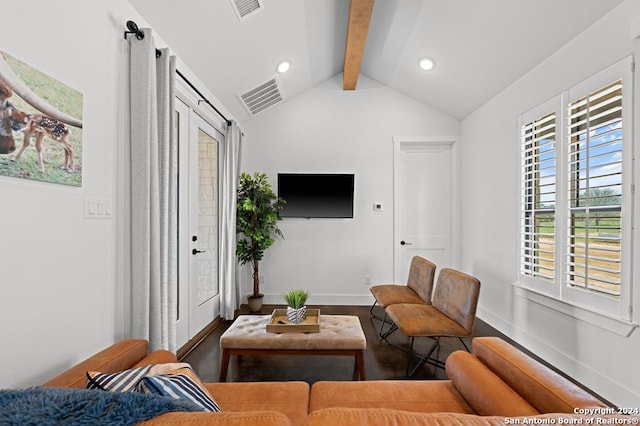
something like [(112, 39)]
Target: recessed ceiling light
[(426, 64), (283, 66)]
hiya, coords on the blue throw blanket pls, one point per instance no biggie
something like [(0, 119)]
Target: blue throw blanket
[(54, 406)]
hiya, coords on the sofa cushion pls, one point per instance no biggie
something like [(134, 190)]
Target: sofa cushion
[(181, 383), (248, 418), (407, 395), (290, 398), (546, 390), (485, 392), (387, 417)]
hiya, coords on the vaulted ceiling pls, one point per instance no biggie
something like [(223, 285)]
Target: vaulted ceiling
[(479, 46)]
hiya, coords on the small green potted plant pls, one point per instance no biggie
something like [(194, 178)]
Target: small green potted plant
[(296, 308), (257, 214)]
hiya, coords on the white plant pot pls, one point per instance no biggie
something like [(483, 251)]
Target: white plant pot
[(296, 316)]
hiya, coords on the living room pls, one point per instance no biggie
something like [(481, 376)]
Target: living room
[(65, 285)]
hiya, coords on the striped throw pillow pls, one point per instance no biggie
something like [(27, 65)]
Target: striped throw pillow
[(128, 380), (123, 381), (183, 383)]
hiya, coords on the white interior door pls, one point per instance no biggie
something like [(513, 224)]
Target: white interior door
[(198, 295), (423, 199)]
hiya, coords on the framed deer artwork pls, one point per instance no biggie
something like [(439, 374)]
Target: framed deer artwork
[(40, 127)]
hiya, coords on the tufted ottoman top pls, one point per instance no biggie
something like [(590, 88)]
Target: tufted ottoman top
[(337, 332)]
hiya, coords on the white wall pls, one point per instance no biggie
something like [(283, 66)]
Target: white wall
[(64, 287), (328, 130), (602, 360), (58, 285)]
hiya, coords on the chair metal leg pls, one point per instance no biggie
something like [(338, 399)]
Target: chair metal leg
[(374, 315), (389, 332), (392, 327), (464, 344), (375, 302), (382, 324), (424, 358)]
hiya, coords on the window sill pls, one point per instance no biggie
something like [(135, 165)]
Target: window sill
[(615, 325)]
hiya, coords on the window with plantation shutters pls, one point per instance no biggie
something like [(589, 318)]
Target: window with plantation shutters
[(576, 196), (538, 170), (595, 191)]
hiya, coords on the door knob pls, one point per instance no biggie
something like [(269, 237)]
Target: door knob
[(404, 243), (196, 251)]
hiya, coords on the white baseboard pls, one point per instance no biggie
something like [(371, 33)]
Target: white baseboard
[(326, 299)]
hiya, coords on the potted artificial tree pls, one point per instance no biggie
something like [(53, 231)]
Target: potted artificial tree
[(257, 214)]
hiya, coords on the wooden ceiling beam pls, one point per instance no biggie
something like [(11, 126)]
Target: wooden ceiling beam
[(357, 30)]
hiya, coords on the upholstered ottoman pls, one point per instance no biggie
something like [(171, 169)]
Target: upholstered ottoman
[(339, 335)]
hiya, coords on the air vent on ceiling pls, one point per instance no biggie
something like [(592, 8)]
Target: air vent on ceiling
[(263, 97), (246, 8)]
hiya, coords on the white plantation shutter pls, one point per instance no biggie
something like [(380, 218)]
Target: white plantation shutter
[(538, 197), (577, 199), (594, 250)]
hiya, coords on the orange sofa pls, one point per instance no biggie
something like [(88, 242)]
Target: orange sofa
[(263, 403), (497, 384)]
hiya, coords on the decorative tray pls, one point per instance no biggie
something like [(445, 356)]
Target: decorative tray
[(278, 323)]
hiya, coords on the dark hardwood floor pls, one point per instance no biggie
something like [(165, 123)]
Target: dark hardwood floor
[(382, 361)]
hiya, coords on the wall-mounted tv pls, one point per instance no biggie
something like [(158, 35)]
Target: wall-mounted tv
[(311, 195)]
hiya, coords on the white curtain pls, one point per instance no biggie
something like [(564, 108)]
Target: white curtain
[(153, 194), (229, 294)]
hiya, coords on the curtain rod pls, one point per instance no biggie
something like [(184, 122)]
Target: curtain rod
[(186, 80), (133, 29)]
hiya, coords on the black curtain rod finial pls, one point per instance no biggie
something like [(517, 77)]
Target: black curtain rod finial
[(133, 29)]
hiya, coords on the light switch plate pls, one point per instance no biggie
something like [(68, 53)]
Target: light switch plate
[(97, 208)]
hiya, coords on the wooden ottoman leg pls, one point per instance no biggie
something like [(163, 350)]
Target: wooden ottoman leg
[(360, 364), (224, 365)]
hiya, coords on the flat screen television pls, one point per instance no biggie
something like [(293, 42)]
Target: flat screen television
[(316, 195)]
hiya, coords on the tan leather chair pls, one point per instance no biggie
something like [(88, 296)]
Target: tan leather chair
[(451, 314), (417, 290)]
